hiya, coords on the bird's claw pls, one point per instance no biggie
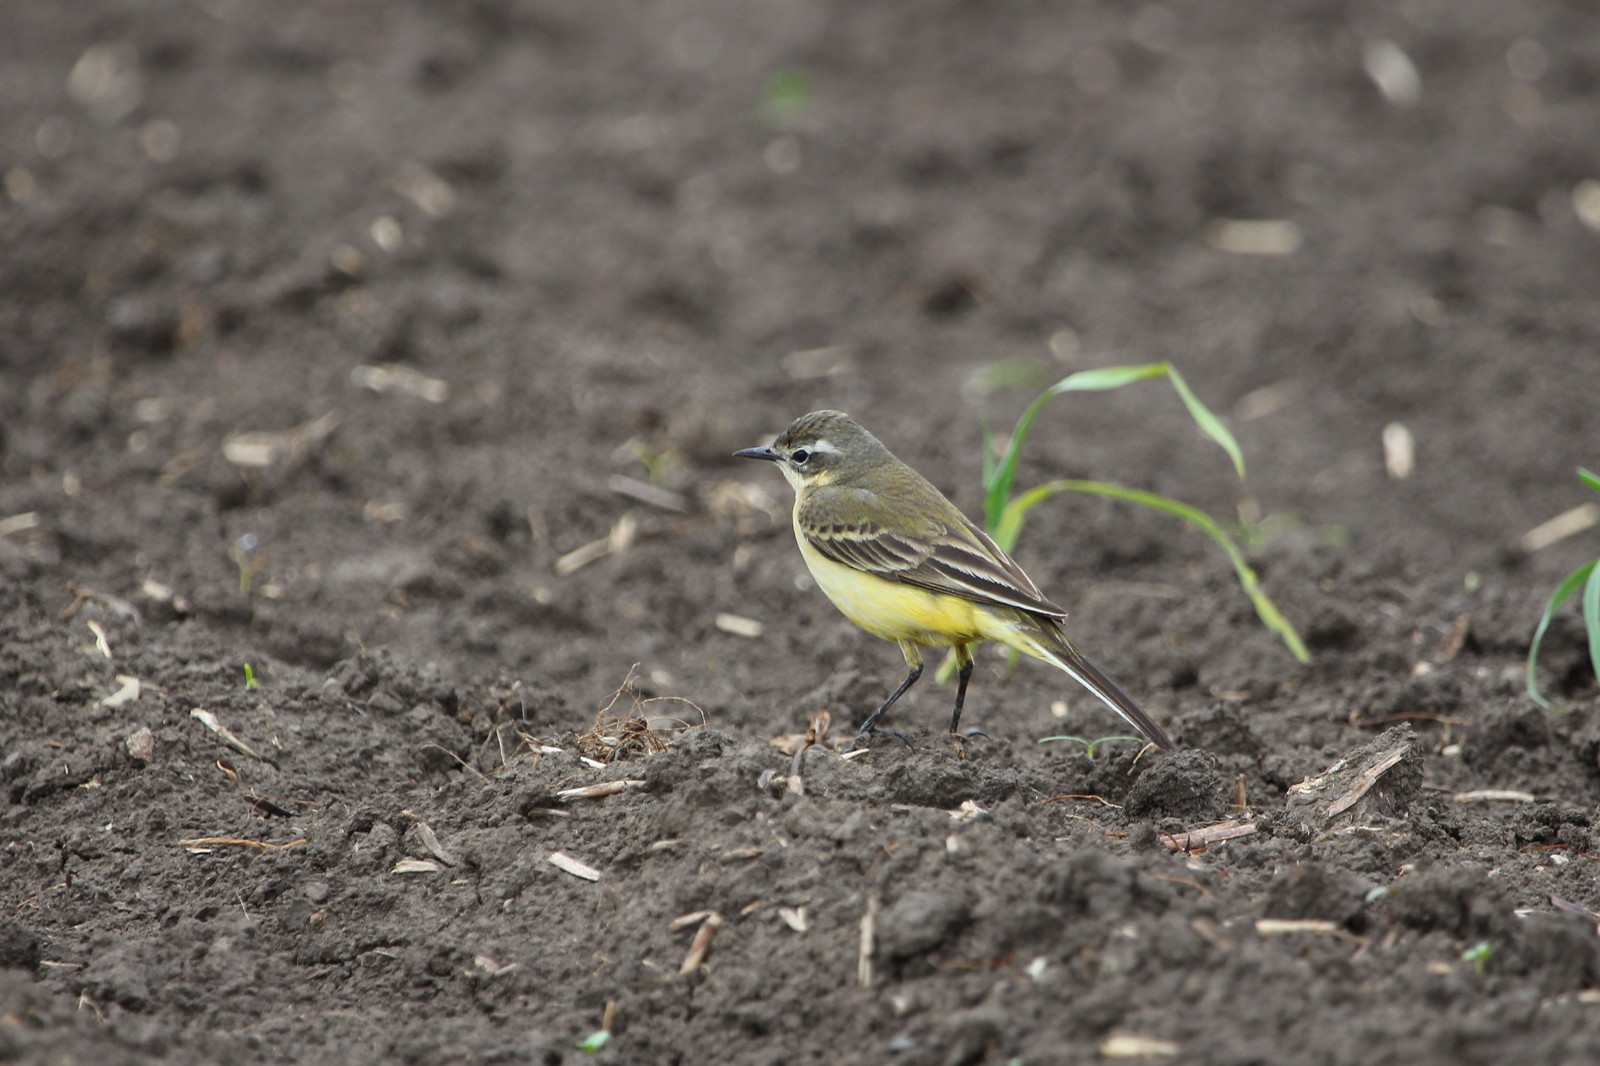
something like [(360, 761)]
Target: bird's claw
[(877, 731)]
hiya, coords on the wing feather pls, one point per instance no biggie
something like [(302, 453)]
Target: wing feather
[(956, 558)]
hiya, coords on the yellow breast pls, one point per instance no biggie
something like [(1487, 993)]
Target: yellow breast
[(889, 609)]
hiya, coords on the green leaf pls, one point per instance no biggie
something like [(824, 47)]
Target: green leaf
[(1003, 475), (1209, 423), (1000, 478), (1590, 478), (1562, 594), (1106, 378), (1090, 745), (1271, 617), (595, 1041)]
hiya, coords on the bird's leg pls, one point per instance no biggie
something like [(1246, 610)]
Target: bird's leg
[(913, 660), (964, 655)]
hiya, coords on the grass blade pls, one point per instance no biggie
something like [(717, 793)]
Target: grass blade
[(1562, 594), (1011, 524), (1106, 378), (1209, 423), (1590, 478), (1001, 477)]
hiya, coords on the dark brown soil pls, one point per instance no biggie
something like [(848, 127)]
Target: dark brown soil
[(616, 241)]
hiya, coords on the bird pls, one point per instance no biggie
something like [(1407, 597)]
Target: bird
[(903, 563)]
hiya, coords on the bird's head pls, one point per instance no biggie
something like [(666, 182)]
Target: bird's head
[(821, 448)]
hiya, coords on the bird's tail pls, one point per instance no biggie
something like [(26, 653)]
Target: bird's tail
[(1051, 645)]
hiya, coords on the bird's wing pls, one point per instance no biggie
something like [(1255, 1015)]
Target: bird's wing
[(954, 557)]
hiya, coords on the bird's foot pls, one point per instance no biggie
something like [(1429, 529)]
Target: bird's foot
[(958, 741)]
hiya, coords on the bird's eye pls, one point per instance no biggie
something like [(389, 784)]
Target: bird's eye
[(799, 456)]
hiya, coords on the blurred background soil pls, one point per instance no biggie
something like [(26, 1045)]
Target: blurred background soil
[(368, 378)]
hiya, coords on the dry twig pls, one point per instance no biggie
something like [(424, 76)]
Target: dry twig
[(211, 722), (200, 845), (1199, 839)]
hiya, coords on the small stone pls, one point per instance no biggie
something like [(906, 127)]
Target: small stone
[(142, 744)]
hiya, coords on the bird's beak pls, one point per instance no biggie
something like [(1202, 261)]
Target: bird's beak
[(758, 453)]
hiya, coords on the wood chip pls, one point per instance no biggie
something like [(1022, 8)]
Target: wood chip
[(100, 643), (1493, 795), (127, 692), (619, 540), (578, 558), (1285, 926), (1559, 528), (684, 921), (969, 811), (18, 523), (487, 965), (430, 840), (808, 364), (1310, 926), (645, 492), (259, 450), (1269, 399), (568, 864), (1133, 1046), (1392, 71), (701, 943), (740, 626), (1399, 451), (794, 918), (1266, 237), (1455, 639), (416, 866), (869, 935), (1586, 202), (598, 791), (396, 377), (1378, 779)]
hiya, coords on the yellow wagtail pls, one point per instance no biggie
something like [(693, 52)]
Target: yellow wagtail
[(903, 563)]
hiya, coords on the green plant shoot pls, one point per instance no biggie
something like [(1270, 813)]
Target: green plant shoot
[(1004, 510), (1090, 745), (595, 1041), (1266, 610), (250, 677), (1587, 578)]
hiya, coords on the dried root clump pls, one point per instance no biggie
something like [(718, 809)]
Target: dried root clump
[(631, 730)]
